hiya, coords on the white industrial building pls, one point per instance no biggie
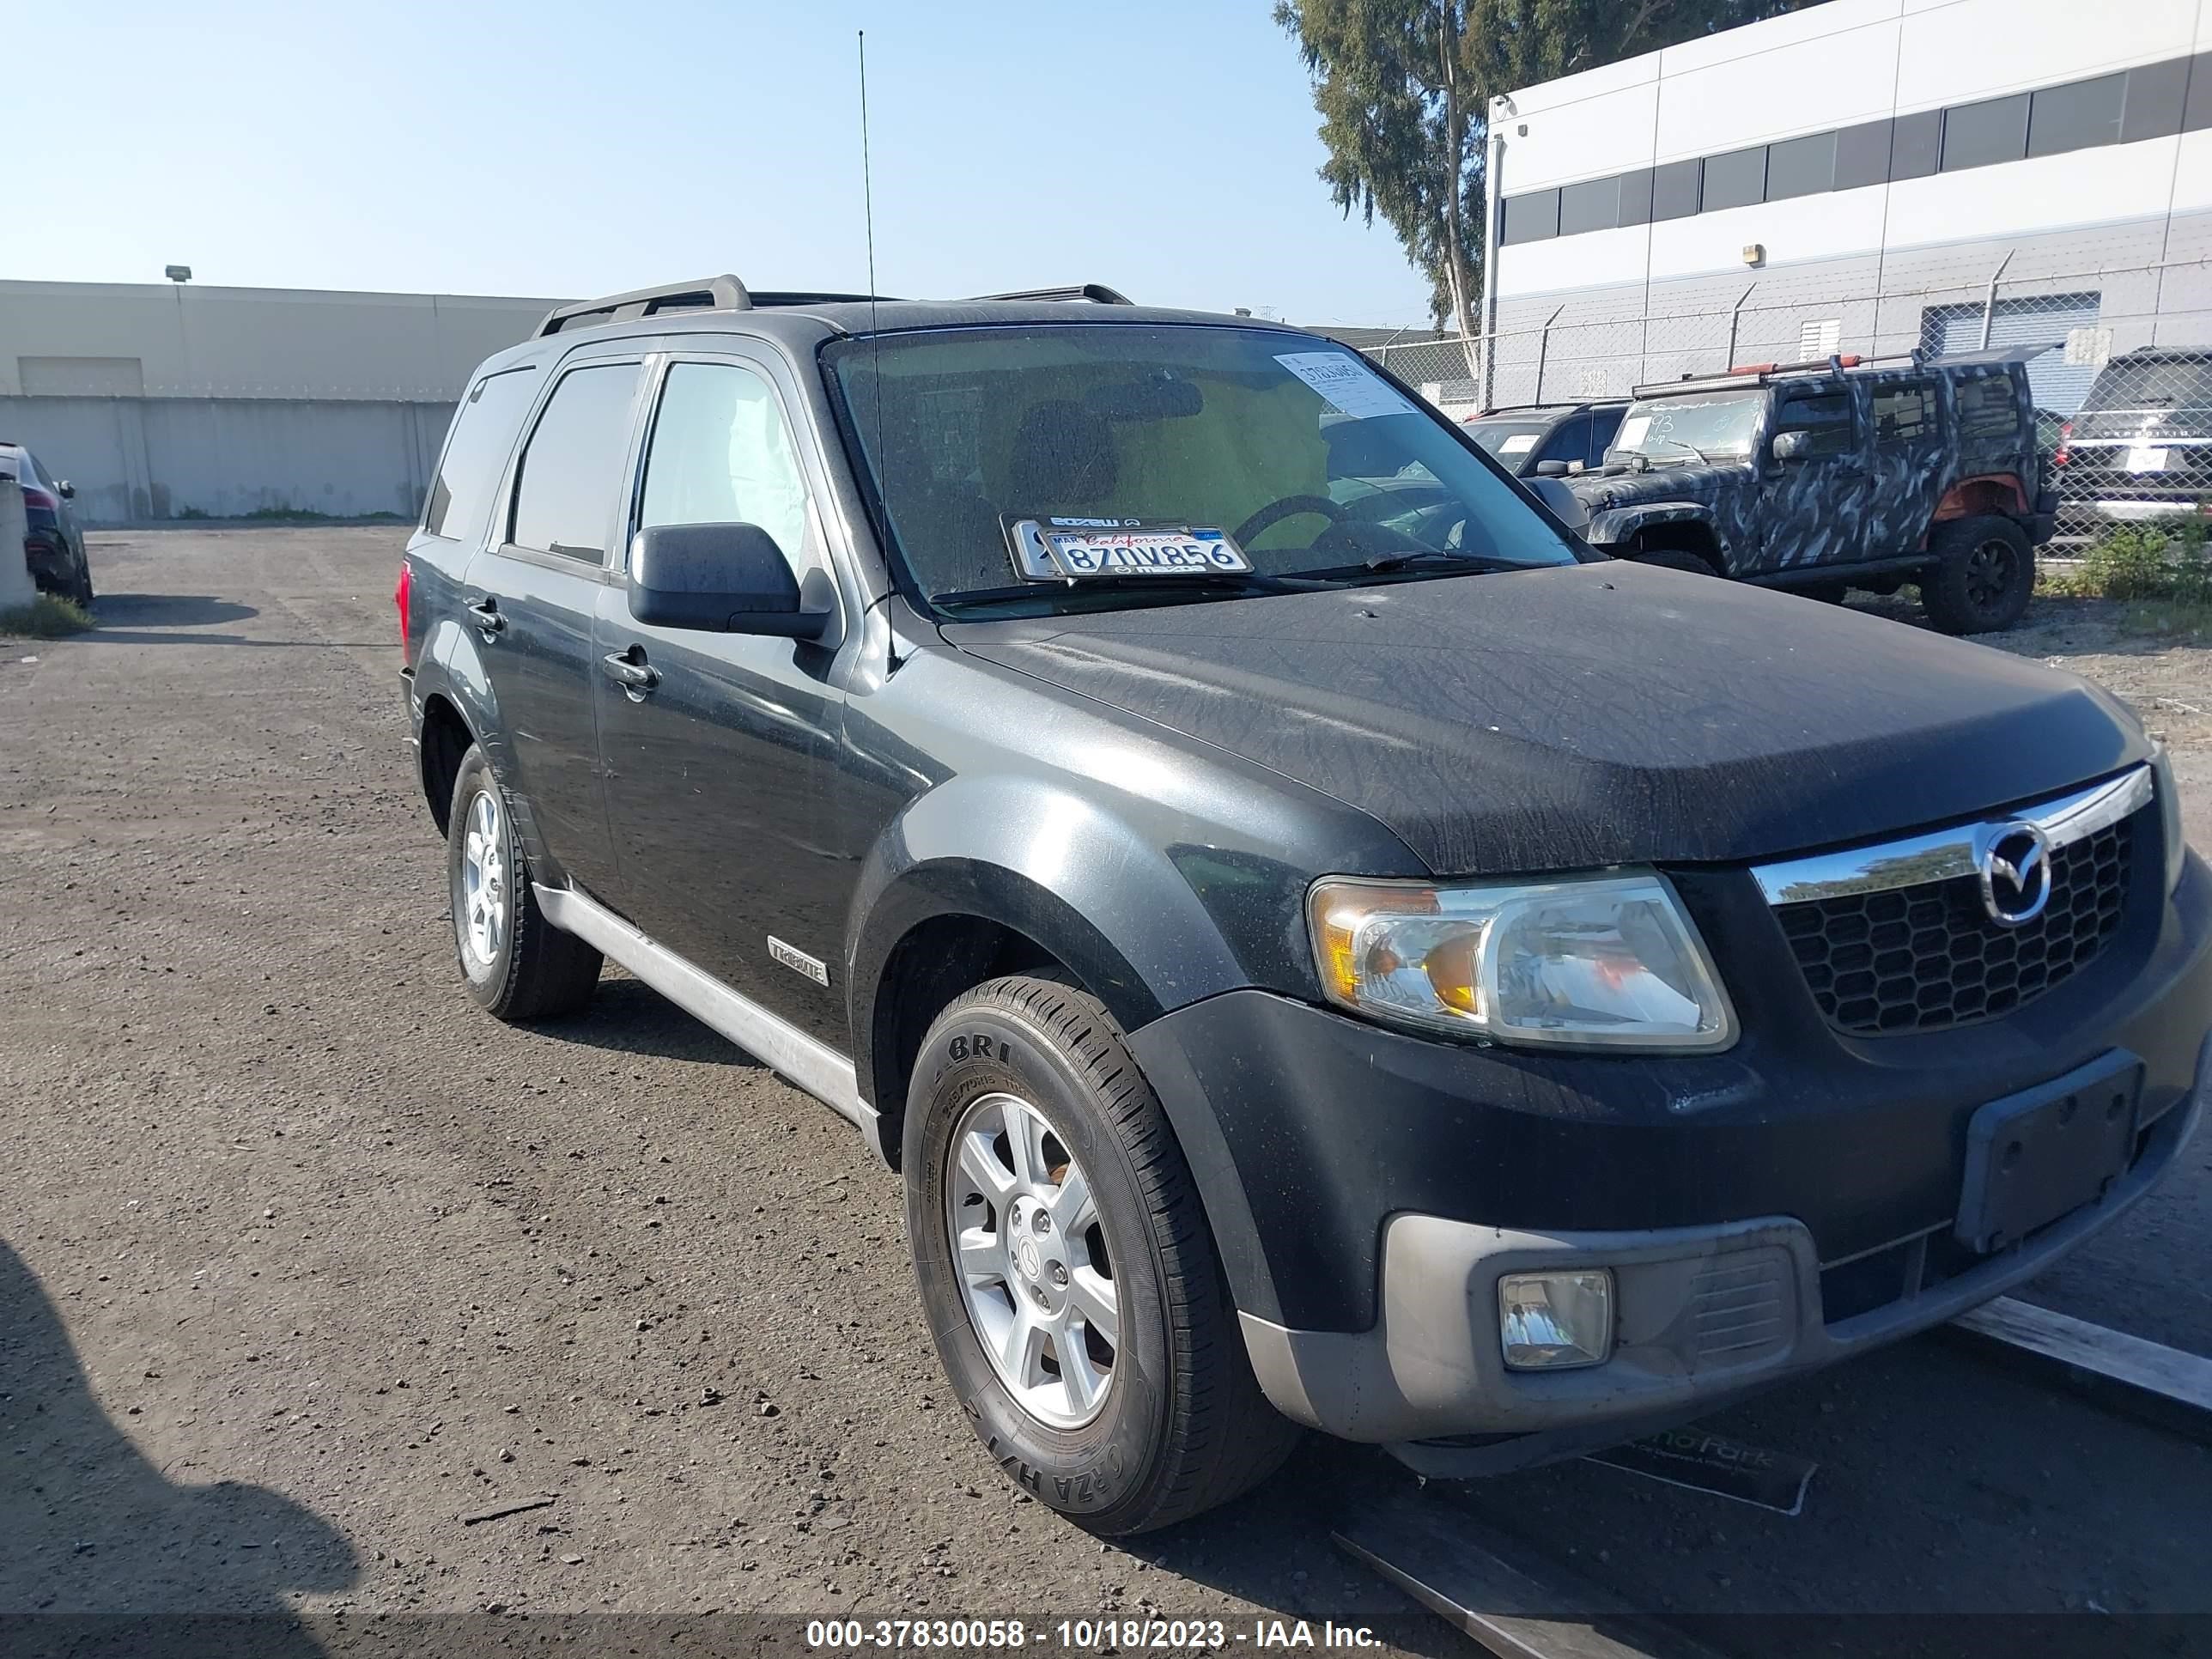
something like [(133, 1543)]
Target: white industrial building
[(172, 399), (1862, 175)]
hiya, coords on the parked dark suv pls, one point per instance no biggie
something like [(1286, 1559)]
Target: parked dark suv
[(2141, 445), (1820, 476), (1548, 440), (1430, 984)]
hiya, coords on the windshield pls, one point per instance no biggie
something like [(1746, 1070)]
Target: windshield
[(1510, 440), (2153, 383), (1308, 461), (1718, 427)]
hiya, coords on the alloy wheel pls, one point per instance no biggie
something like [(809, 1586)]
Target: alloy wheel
[(484, 895), (1035, 1275), (1991, 573)]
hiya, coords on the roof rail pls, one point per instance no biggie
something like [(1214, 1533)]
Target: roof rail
[(1096, 293), (723, 293), (1748, 375)]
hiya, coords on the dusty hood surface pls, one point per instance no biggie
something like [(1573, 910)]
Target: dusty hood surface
[(1592, 714)]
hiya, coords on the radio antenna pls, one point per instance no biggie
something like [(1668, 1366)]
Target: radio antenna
[(868, 213)]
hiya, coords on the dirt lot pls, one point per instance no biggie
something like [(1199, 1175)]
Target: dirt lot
[(302, 1259)]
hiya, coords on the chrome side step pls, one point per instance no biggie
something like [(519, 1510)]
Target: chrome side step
[(775, 1042)]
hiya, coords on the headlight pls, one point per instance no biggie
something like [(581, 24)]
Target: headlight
[(1609, 960), (2169, 813)]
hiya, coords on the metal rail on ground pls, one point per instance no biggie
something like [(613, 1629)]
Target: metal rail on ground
[(2161, 1385)]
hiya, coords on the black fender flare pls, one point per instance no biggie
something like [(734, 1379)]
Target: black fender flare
[(1616, 527)]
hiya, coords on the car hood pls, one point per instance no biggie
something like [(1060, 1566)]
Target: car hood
[(1592, 714)]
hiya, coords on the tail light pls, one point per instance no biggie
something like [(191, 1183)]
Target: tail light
[(2065, 436), (43, 501), (400, 596)]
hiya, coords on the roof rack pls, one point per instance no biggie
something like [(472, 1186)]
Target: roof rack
[(723, 293), (1096, 293), (1745, 374)]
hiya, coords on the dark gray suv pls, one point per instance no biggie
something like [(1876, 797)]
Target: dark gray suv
[(1320, 946)]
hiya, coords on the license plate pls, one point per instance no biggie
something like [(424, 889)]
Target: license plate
[(1048, 550), (2146, 460), (2033, 1156)]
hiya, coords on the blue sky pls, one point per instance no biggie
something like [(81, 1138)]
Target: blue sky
[(565, 149)]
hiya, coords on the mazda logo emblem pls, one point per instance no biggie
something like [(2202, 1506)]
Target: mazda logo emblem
[(2015, 866)]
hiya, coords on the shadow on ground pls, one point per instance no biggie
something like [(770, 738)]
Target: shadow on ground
[(103, 1555), (169, 610), (627, 1016)]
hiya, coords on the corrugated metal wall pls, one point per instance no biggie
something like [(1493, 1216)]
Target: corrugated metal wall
[(138, 458), (156, 400)]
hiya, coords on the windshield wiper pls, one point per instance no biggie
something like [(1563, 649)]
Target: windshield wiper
[(1211, 582), (1425, 559), (1655, 438)]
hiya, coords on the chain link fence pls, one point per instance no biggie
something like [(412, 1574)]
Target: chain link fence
[(2123, 386)]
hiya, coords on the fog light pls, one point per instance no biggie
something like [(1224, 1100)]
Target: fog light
[(1550, 1321)]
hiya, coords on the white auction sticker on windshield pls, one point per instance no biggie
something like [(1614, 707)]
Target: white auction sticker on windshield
[(1080, 549), (1519, 444), (1633, 431), (1348, 384)]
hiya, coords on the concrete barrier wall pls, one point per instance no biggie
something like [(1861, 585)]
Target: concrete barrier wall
[(134, 459), (16, 587)]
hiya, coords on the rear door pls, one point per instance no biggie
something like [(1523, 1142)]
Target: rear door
[(720, 772), (1808, 505), (532, 594), (1908, 463)]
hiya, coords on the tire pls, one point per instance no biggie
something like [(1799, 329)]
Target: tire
[(1668, 558), (80, 587), (1176, 1422), (517, 965), (1983, 577)]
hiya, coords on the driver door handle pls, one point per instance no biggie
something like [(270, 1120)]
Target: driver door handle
[(630, 670)]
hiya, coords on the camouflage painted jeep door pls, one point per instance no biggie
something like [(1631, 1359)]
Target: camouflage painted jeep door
[(1810, 504), (1906, 464)]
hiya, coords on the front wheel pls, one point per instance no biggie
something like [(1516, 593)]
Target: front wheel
[(517, 964), (1066, 1269), (1983, 577)]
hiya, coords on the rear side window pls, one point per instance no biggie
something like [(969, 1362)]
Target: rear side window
[(1904, 414), (1826, 415), (722, 453), (476, 449), (1988, 408), (565, 490)]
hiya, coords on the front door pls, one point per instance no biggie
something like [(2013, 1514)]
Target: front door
[(1809, 504), (1906, 463), (719, 769), (531, 595)]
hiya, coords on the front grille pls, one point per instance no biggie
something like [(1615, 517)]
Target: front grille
[(1923, 958)]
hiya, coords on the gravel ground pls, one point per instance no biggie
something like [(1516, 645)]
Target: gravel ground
[(302, 1259)]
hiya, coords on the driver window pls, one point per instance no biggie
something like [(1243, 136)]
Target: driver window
[(721, 452), (1570, 443), (1825, 416)]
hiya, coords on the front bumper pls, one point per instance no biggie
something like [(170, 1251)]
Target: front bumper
[(1704, 1315), (1367, 1188)]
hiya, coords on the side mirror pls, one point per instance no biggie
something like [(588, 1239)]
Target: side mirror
[(1791, 445), (725, 579), (65, 489), (1551, 468)]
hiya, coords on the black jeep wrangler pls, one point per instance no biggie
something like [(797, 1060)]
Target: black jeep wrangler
[(1430, 984), (1822, 476)]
